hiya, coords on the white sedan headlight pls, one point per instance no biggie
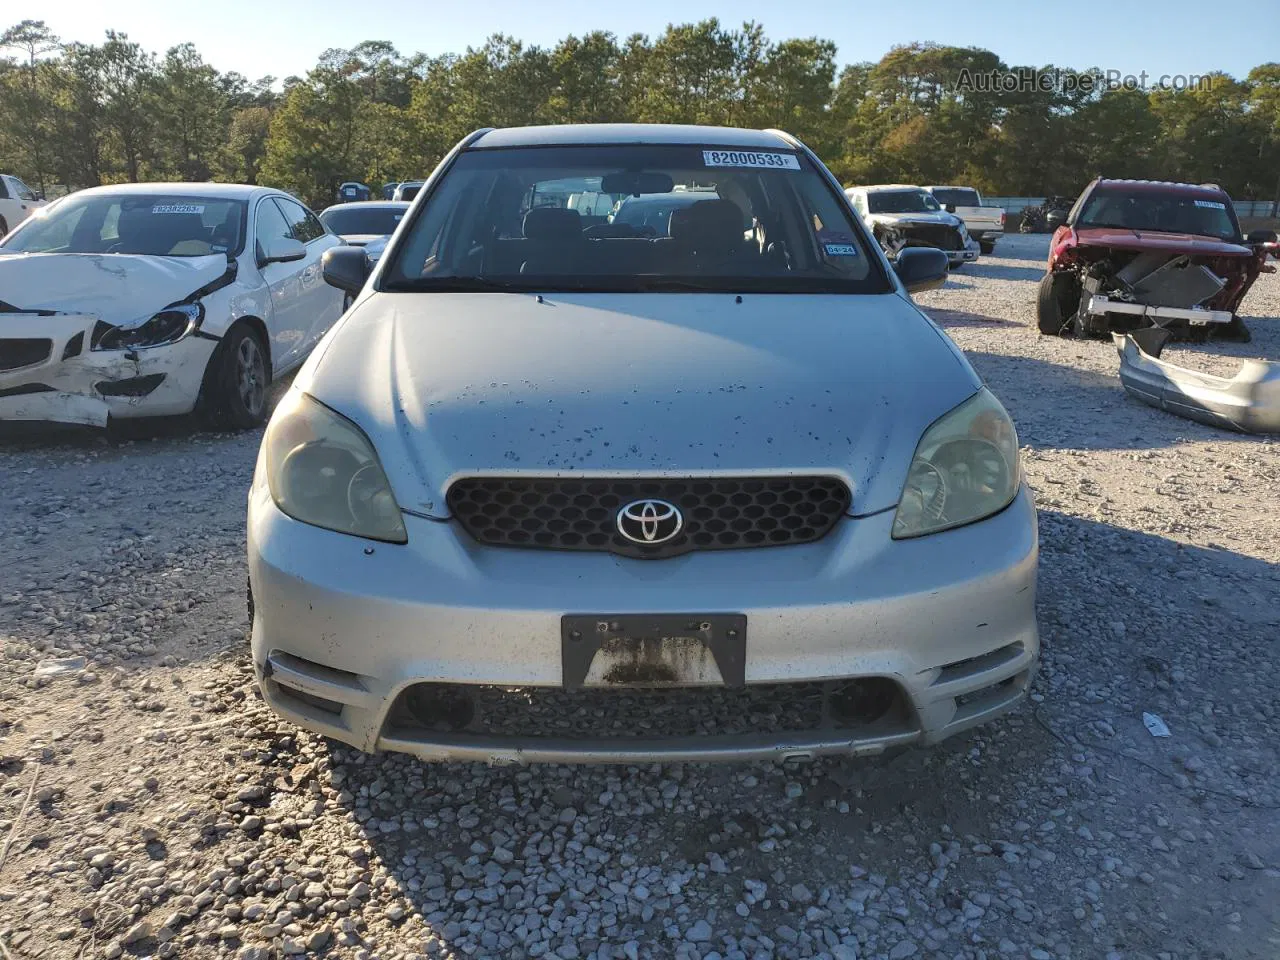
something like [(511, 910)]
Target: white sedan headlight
[(965, 468), (323, 470)]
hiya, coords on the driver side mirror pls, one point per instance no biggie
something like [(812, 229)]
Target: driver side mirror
[(1261, 236), (345, 267), (281, 250), (921, 268)]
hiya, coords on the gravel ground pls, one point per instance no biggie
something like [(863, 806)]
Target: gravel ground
[(153, 807)]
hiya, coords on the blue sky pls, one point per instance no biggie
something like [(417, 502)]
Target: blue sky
[(285, 36)]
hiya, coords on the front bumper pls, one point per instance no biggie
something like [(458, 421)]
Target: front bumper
[(967, 255), (71, 383), (342, 627), (1248, 402)]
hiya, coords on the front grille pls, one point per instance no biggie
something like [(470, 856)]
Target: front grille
[(623, 713), (720, 513), (23, 352), (932, 235)]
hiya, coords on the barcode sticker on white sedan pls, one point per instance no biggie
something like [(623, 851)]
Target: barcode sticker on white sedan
[(178, 208), (744, 158), (1211, 204)]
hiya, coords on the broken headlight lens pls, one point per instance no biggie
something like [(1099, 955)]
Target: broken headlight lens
[(965, 468), (323, 470), (168, 326)]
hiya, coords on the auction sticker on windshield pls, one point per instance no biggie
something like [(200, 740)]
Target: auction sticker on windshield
[(1211, 204), (740, 158), (178, 208)]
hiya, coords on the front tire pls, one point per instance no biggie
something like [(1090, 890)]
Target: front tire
[(4, 227), (235, 388), (1056, 303)]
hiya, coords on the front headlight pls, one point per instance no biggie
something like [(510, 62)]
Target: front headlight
[(323, 470), (965, 468), (168, 326)]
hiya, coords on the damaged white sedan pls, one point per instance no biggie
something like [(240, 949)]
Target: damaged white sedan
[(157, 299)]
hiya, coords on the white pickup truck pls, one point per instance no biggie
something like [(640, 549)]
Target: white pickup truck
[(17, 202), (985, 224)]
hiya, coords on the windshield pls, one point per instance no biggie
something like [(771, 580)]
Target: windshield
[(957, 196), (350, 220), (147, 224), (901, 201), (1160, 212), (637, 217)]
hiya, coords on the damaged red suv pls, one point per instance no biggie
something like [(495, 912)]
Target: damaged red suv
[(1138, 253)]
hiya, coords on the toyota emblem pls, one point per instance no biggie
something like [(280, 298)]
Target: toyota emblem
[(650, 522)]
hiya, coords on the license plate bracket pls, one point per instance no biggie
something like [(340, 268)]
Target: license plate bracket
[(582, 636)]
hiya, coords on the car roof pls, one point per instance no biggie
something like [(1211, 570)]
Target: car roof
[(1164, 186), (583, 134), (229, 191), (888, 186), (949, 186), (369, 205)]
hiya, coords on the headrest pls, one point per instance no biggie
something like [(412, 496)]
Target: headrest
[(552, 223), (708, 224)]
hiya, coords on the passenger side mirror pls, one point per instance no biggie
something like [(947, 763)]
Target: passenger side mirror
[(281, 250), (1261, 236), (921, 268), (345, 267)]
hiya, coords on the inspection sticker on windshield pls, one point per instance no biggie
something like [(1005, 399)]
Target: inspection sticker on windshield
[(841, 249), (740, 158), (178, 208), (1211, 204)]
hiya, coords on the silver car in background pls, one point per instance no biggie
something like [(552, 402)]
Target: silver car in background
[(594, 492)]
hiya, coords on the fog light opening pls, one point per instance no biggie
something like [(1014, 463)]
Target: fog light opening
[(439, 708)]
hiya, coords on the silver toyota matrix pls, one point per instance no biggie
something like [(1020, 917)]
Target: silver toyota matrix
[(633, 446)]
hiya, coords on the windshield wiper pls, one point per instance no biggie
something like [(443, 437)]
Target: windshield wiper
[(454, 285), (679, 285)]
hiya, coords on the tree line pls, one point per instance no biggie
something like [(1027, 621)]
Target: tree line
[(81, 114)]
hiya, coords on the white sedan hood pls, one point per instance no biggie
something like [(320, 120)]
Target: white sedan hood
[(121, 289), (452, 384), (940, 216)]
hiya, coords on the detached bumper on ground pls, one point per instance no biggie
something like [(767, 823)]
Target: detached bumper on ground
[(49, 371), (453, 651), (1248, 402)]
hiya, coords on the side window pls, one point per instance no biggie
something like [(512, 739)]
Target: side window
[(302, 222), (24, 192), (4, 188), (271, 225)]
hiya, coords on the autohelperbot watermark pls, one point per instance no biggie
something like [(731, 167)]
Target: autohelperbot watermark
[(1056, 80)]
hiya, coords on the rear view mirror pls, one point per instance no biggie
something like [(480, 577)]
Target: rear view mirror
[(1261, 236), (921, 268), (636, 182)]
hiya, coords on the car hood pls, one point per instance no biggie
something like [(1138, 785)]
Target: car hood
[(939, 217), (1125, 239), (120, 289), (453, 384)]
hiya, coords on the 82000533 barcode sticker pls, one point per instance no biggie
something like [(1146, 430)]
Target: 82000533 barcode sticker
[(750, 158)]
